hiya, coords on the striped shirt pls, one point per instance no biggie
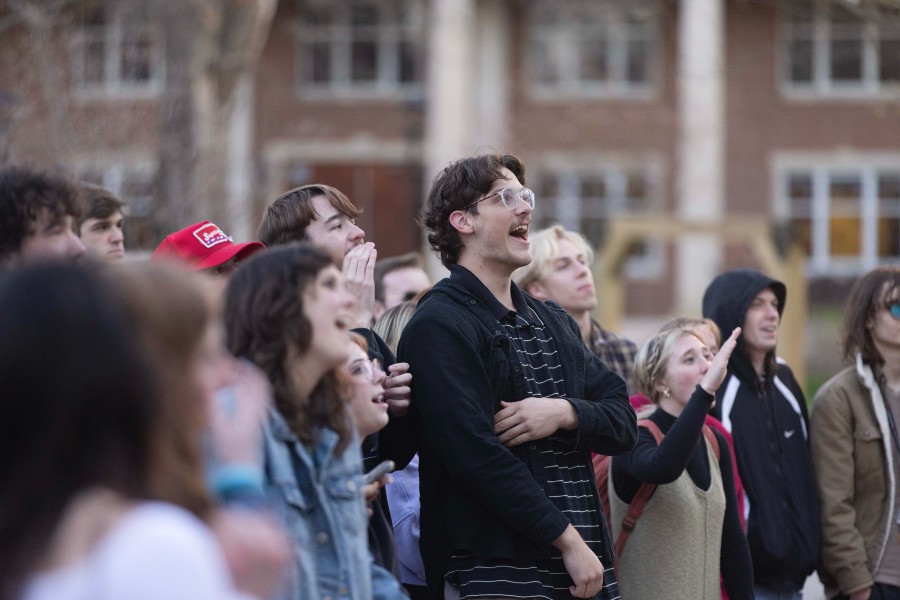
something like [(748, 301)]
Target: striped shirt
[(570, 484)]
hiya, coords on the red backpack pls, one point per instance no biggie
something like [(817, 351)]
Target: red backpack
[(645, 490)]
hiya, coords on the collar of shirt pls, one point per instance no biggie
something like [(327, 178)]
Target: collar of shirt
[(474, 286)]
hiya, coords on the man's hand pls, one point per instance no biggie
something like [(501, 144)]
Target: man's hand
[(861, 594), (581, 564), (359, 272), (397, 390), (533, 419)]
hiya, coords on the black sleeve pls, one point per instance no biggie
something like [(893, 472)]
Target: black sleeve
[(649, 463), (455, 408), (397, 441), (736, 566)]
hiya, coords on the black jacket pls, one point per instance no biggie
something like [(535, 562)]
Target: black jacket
[(767, 416), (478, 495)]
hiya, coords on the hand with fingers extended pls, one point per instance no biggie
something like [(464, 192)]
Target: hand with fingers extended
[(715, 375), (397, 389), (533, 419), (359, 272), (581, 564)]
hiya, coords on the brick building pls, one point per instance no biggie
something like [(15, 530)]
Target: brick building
[(692, 110)]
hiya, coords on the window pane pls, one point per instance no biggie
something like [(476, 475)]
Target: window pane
[(800, 52), (364, 14), (548, 187), (592, 59), (845, 224), (888, 237), (319, 62), (889, 186), (803, 233), (593, 187), (637, 196), (364, 57), (318, 15), (846, 60), (137, 57), (637, 61), (137, 191), (93, 57), (889, 59), (544, 62), (409, 62)]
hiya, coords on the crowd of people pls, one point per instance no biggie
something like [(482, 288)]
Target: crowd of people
[(220, 421)]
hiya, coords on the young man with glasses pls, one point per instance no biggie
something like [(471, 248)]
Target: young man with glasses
[(854, 444), (763, 407), (509, 406)]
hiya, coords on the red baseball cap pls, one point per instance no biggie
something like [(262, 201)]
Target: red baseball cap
[(203, 246)]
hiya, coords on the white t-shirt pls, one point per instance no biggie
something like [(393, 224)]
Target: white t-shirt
[(155, 551)]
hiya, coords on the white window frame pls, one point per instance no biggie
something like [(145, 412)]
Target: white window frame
[(112, 32), (821, 33), (562, 38), (338, 36), (614, 172), (822, 168)]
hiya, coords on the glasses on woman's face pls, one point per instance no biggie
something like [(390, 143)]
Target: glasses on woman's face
[(509, 198), (368, 368)]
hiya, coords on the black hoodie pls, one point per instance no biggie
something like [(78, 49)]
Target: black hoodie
[(768, 419)]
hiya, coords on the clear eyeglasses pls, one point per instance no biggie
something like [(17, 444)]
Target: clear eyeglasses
[(509, 198), (365, 367)]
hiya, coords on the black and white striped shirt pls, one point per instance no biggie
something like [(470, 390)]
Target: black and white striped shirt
[(570, 484)]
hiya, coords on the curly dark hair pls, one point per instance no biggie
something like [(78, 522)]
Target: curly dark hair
[(460, 184), (873, 291), (265, 321), (25, 195)]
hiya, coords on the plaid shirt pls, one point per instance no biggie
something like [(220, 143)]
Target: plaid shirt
[(616, 352)]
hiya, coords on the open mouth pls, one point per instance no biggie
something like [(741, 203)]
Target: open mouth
[(379, 399), (520, 232)]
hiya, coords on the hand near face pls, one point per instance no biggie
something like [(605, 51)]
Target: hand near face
[(397, 390), (359, 272), (715, 375), (532, 419)]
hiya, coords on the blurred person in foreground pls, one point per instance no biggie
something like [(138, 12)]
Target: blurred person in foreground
[(37, 217), (287, 311), (100, 226), (854, 444), (109, 501)]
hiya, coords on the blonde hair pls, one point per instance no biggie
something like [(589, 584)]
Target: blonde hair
[(544, 250), (651, 360), (694, 323), (391, 323)]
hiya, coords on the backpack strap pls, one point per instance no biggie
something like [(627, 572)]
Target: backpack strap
[(645, 490)]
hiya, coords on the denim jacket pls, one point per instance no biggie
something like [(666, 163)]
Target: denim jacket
[(319, 496)]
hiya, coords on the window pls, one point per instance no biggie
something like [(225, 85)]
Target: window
[(360, 47), (846, 218), (591, 47), (583, 199), (117, 51), (135, 185), (840, 49)]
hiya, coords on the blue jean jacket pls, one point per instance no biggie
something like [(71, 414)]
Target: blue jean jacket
[(319, 496)]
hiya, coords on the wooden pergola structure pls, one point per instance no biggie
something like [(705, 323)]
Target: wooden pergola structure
[(758, 235)]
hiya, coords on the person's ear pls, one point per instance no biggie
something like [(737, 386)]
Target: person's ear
[(461, 221), (537, 289)]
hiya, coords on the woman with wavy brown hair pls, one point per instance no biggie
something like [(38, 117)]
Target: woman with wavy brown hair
[(287, 311)]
